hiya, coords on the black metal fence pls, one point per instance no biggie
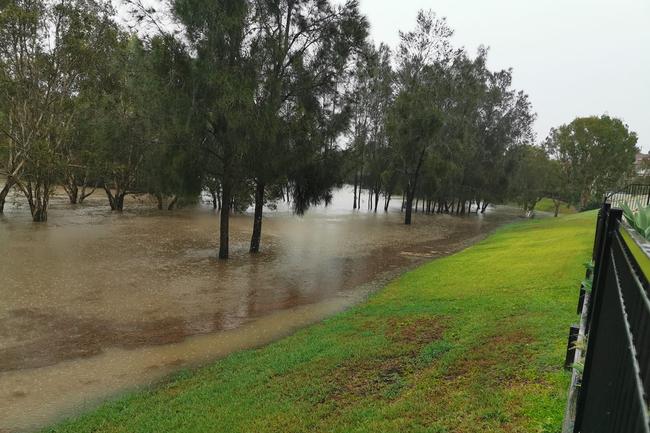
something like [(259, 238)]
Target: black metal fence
[(612, 395), (634, 195)]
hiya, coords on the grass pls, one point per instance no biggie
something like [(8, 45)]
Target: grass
[(469, 343), (546, 205)]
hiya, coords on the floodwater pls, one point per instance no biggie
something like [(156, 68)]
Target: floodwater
[(93, 304)]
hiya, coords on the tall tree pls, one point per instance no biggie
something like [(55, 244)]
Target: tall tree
[(423, 56), (220, 34), (299, 46), (596, 154), (372, 96)]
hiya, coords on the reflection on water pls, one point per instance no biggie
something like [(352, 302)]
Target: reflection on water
[(95, 303)]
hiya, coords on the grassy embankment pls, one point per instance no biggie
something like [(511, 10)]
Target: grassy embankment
[(547, 205), (469, 343)]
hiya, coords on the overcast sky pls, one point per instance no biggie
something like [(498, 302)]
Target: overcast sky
[(573, 57)]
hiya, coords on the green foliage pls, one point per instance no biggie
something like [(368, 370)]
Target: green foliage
[(595, 155), (474, 341)]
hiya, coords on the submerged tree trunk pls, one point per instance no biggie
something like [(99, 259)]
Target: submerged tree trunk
[(172, 203), (3, 194), (116, 201), (38, 197), (409, 207), (39, 214), (387, 202), (356, 180), (72, 190), (360, 187), (83, 195), (213, 193), (376, 199), (257, 219), (224, 229)]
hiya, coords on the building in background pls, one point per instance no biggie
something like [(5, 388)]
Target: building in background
[(642, 164)]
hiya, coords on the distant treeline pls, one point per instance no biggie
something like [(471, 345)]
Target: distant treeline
[(260, 100)]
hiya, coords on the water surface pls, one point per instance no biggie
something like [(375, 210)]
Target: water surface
[(94, 303)]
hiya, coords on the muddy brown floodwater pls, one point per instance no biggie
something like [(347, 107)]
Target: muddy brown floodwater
[(93, 304)]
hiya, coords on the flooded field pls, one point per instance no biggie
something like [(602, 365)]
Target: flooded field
[(94, 304)]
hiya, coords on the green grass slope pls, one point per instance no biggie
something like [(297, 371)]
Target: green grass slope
[(547, 205), (469, 343)]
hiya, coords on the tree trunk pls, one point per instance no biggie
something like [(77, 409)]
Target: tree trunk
[(585, 196), (172, 203), (73, 191), (557, 204), (360, 186), (159, 199), (257, 219), (409, 207), (109, 195), (376, 199), (83, 196), (213, 193), (38, 199), (119, 201), (116, 201), (356, 180), (40, 214), (3, 194), (484, 206), (225, 220), (387, 202)]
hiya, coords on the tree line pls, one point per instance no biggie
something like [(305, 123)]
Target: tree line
[(255, 101)]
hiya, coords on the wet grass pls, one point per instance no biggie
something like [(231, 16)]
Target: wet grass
[(469, 343), (547, 205)]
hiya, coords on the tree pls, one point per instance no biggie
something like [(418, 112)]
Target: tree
[(218, 31), (122, 131), (44, 57), (300, 50), (423, 57), (530, 181), (371, 98), (504, 124), (595, 153), (172, 168)]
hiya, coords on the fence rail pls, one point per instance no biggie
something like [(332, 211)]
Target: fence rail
[(612, 393), (634, 195)]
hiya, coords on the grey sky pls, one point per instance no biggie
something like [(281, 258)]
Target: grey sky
[(573, 57)]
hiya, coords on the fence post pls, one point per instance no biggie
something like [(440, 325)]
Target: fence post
[(611, 218)]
